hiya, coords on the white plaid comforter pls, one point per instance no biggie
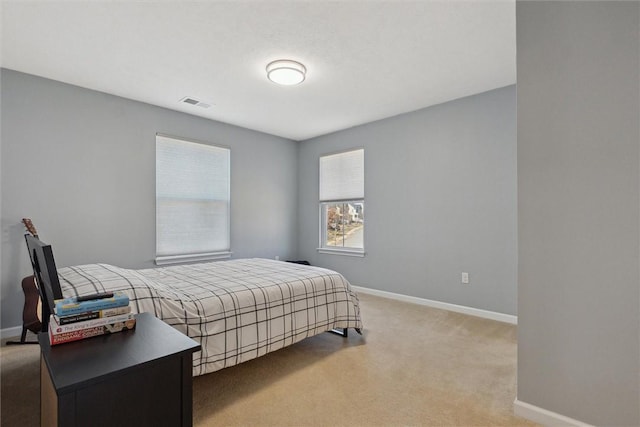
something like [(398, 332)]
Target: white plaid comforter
[(237, 310)]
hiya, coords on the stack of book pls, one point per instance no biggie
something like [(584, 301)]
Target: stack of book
[(77, 318)]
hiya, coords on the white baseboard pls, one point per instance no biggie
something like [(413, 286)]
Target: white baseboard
[(11, 332), (543, 416), (500, 317)]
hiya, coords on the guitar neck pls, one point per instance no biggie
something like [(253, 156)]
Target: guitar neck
[(30, 227)]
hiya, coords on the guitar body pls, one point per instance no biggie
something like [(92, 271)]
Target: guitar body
[(32, 305)]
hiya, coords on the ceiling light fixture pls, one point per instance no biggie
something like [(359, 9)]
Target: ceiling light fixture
[(286, 72)]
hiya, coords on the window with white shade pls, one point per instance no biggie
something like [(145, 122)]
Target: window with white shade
[(342, 203), (192, 201)]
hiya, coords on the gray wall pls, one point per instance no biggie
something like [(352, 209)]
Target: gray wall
[(440, 199), (81, 164), (578, 209)]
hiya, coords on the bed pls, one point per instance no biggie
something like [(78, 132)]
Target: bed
[(238, 310)]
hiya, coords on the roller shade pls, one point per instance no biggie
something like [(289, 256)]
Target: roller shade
[(342, 176), (192, 198)]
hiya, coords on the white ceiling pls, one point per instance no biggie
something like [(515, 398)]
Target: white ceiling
[(366, 60)]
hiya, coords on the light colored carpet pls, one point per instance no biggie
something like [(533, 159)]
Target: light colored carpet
[(414, 366)]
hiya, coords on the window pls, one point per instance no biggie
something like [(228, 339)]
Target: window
[(192, 201), (342, 203)]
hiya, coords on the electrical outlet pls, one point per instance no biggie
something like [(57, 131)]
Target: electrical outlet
[(465, 278), (277, 257)]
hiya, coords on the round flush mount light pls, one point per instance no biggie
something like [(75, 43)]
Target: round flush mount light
[(286, 72)]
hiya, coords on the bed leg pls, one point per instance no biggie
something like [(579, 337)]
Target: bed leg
[(344, 333)]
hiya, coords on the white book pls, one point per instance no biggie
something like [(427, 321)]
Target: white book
[(57, 328)]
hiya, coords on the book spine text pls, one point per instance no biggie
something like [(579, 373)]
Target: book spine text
[(80, 334), (74, 318), (61, 329)]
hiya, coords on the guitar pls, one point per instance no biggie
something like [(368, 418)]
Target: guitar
[(31, 312)]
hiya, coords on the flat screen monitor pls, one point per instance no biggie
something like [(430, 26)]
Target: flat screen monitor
[(46, 274)]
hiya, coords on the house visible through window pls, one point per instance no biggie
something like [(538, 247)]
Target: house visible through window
[(342, 203), (192, 201)]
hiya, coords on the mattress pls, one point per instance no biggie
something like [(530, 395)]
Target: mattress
[(237, 310)]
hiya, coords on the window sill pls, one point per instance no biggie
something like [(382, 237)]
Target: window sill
[(180, 259), (347, 252)]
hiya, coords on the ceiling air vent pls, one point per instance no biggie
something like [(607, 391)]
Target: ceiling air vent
[(193, 101)]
